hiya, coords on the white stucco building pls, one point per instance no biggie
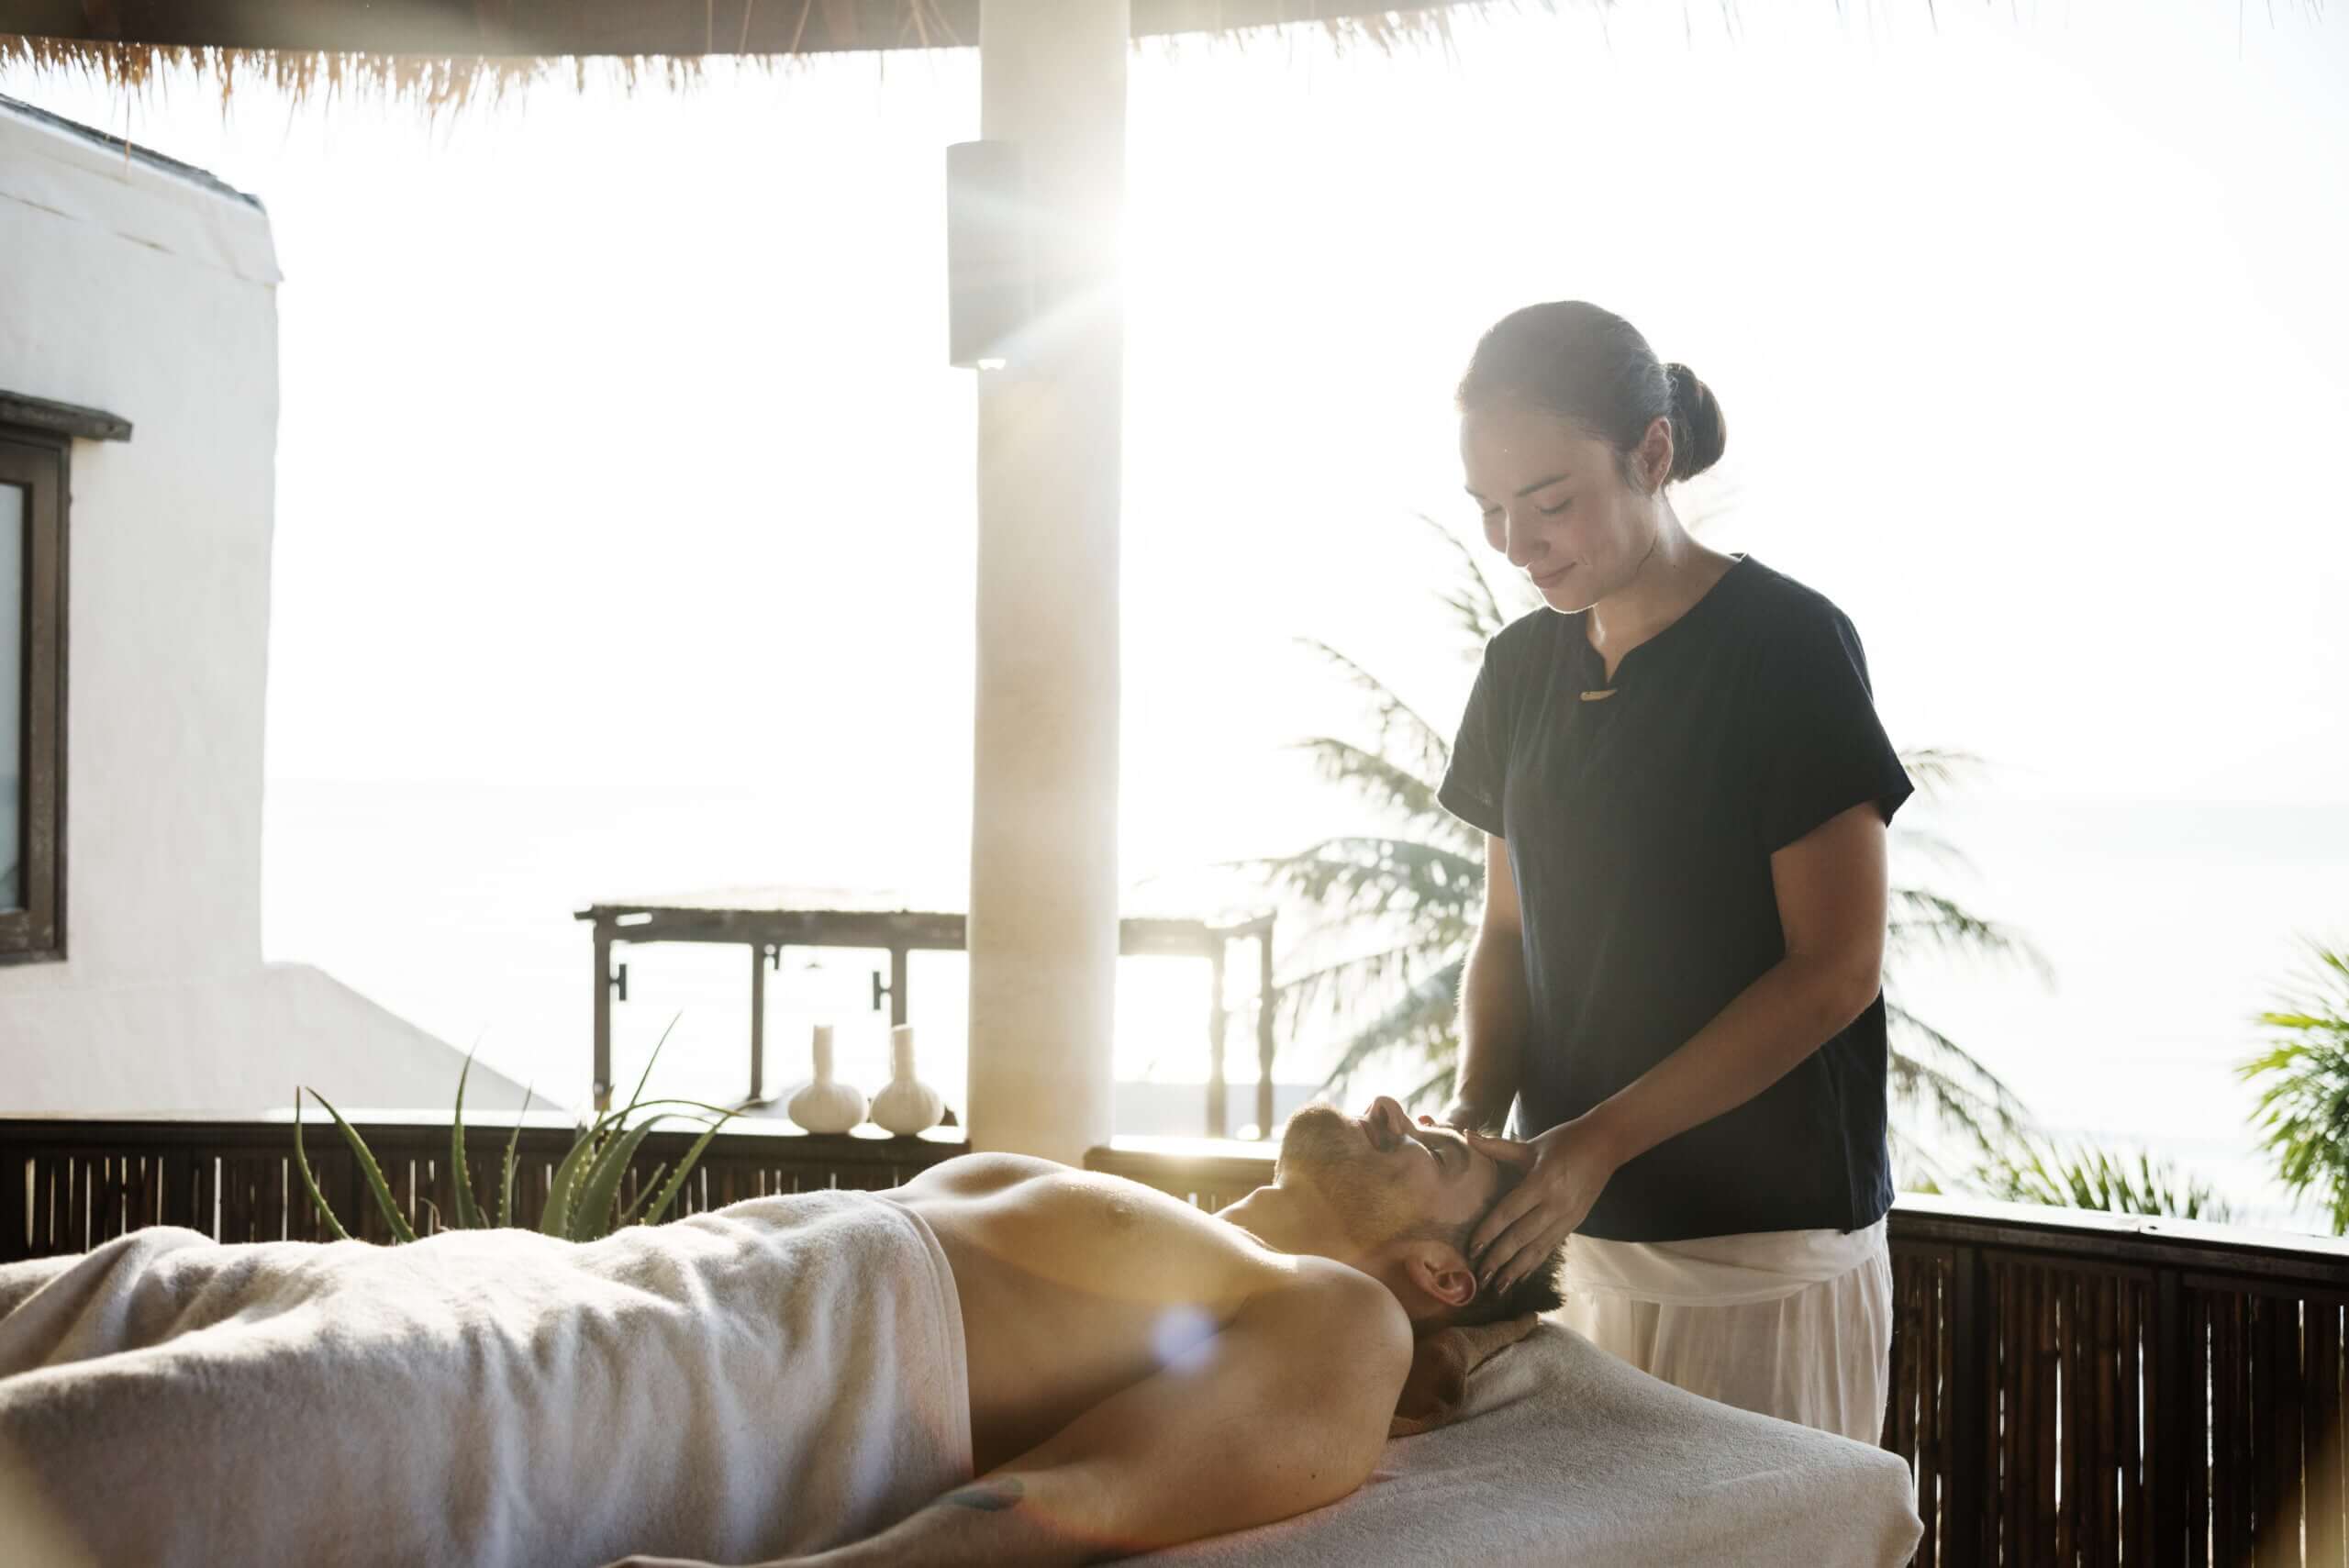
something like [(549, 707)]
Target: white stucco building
[(131, 976)]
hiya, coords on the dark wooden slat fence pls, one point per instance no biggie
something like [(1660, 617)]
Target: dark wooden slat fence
[(67, 1185)]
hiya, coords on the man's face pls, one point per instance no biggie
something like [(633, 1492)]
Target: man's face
[(1386, 1178)]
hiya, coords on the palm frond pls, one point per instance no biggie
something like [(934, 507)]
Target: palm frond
[(1342, 985), (2302, 1114), (1915, 1166), (1923, 920), (1476, 610), (1432, 1090), (2084, 1175), (1384, 781), (1357, 877), (1929, 1072), (1935, 771), (1932, 845), (1399, 725), (1422, 1021)]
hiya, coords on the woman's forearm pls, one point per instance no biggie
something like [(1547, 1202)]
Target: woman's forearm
[(1493, 1010), (1794, 1009)]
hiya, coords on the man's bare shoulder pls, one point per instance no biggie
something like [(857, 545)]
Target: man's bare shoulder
[(1340, 1310), (1021, 1184), (1031, 1179), (1155, 1237), (977, 1173)]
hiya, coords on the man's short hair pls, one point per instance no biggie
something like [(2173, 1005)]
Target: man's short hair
[(1541, 1290)]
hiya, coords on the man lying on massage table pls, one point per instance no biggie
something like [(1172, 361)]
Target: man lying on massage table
[(1145, 1373), (1142, 1374), (1130, 1373)]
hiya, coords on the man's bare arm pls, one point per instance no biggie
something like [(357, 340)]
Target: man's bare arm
[(1493, 1005), (1284, 1410)]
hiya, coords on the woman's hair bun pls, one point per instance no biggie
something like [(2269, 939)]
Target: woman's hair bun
[(1570, 358), (1698, 431)]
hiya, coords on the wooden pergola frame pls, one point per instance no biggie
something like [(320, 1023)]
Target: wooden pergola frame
[(769, 927)]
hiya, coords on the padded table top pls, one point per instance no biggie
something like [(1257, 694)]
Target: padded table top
[(1568, 1455)]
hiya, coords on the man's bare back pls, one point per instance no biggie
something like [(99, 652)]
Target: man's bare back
[(1142, 1374)]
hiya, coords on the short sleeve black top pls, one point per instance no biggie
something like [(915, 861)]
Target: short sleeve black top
[(1639, 830)]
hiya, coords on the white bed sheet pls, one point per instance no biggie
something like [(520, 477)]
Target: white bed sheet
[(1569, 1456)]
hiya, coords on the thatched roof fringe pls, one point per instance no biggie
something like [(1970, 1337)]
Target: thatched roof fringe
[(438, 81), (450, 81), (432, 82)]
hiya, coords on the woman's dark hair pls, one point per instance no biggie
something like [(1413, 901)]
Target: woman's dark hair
[(1572, 359)]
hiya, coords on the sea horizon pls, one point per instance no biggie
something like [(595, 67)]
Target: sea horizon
[(2168, 927)]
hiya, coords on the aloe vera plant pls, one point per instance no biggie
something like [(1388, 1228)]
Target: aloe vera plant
[(582, 1200)]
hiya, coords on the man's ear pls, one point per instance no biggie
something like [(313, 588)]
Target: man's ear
[(1441, 1275)]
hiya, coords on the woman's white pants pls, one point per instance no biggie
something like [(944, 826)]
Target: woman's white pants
[(1796, 1324)]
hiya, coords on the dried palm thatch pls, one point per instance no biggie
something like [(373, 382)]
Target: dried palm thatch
[(442, 53)]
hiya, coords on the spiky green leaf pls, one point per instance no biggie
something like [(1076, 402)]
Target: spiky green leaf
[(591, 1212), (644, 1190), (506, 1176), (309, 1179), (402, 1232), (684, 1167), (556, 1220), (468, 1213)]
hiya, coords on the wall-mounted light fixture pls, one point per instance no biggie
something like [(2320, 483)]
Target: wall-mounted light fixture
[(990, 263)]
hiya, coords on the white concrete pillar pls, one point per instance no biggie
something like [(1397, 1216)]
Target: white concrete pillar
[(1043, 926)]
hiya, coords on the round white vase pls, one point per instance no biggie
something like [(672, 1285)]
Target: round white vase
[(825, 1105), (908, 1106)]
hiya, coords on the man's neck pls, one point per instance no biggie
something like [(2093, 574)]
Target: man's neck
[(1283, 1220)]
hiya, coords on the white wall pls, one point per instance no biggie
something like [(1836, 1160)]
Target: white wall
[(152, 295)]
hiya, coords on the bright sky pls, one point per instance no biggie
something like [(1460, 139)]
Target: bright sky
[(618, 440), (619, 443)]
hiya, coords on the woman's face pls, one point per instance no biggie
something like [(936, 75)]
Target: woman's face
[(1555, 502)]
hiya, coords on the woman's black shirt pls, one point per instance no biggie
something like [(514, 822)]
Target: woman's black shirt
[(1639, 830)]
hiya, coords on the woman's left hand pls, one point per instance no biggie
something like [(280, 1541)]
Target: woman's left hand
[(1566, 1169)]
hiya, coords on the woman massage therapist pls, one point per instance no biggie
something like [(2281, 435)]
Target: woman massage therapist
[(1677, 979)]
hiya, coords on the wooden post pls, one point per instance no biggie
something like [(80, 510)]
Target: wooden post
[(603, 1081), (2175, 1464), (1043, 932), (757, 1020), (1966, 1504), (1264, 1031), (1218, 1122), (16, 1203)]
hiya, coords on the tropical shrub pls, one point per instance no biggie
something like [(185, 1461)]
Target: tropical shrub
[(582, 1200), (2303, 1112), (2085, 1175)]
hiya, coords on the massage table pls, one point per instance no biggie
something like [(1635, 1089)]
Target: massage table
[(800, 1361), (1565, 1455)]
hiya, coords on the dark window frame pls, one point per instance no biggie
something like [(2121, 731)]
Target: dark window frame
[(40, 460)]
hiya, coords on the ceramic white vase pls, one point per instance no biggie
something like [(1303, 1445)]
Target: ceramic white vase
[(824, 1105), (908, 1106)]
